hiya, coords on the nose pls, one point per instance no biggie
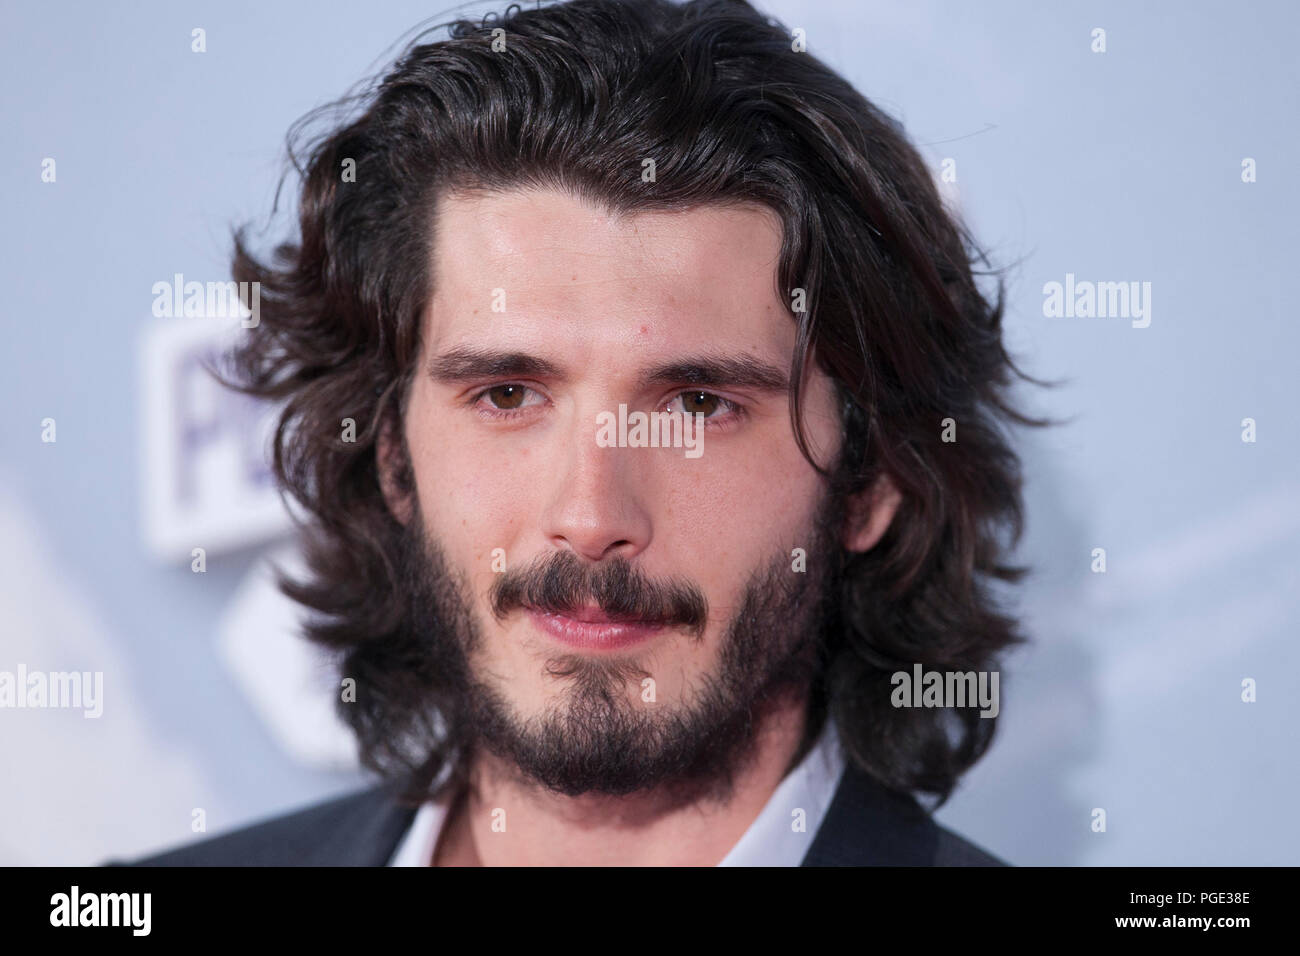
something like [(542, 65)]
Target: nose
[(596, 508)]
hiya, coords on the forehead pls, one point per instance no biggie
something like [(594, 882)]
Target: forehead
[(540, 267)]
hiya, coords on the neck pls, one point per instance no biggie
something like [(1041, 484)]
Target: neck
[(501, 820)]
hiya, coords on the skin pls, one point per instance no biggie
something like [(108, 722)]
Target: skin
[(604, 298)]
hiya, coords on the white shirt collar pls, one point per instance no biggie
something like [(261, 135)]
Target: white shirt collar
[(779, 836)]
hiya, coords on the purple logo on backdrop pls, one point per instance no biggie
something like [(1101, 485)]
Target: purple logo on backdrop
[(206, 468), (204, 417)]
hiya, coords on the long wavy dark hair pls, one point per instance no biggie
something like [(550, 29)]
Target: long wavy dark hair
[(579, 96)]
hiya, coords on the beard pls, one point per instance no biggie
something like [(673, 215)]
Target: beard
[(601, 731)]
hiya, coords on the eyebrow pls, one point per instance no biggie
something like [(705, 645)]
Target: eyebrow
[(468, 364), (720, 371)]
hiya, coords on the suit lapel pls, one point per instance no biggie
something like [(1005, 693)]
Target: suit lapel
[(365, 831), (867, 825)]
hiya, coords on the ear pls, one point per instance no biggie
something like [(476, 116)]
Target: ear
[(869, 513), (393, 465)]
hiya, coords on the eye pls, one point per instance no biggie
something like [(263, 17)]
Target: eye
[(506, 398), (696, 401)]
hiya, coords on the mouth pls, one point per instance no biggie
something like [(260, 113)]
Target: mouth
[(592, 629)]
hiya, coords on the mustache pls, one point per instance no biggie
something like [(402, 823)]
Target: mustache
[(563, 582)]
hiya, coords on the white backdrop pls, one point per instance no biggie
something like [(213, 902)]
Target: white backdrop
[(1117, 166)]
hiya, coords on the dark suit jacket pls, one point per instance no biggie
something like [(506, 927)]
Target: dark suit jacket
[(865, 825)]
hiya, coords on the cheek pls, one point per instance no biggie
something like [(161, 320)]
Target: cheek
[(725, 515), (471, 494)]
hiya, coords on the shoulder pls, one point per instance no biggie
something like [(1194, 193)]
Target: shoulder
[(952, 849), (361, 828), (870, 825)]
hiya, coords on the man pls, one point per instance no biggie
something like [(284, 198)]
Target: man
[(677, 440)]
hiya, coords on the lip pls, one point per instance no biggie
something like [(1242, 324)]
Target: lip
[(592, 629)]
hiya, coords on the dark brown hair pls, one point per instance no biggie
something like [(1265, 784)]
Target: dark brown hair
[(713, 92)]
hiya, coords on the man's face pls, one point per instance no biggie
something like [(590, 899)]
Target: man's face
[(648, 596)]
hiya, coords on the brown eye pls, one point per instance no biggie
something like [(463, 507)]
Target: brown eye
[(507, 397), (703, 403)]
